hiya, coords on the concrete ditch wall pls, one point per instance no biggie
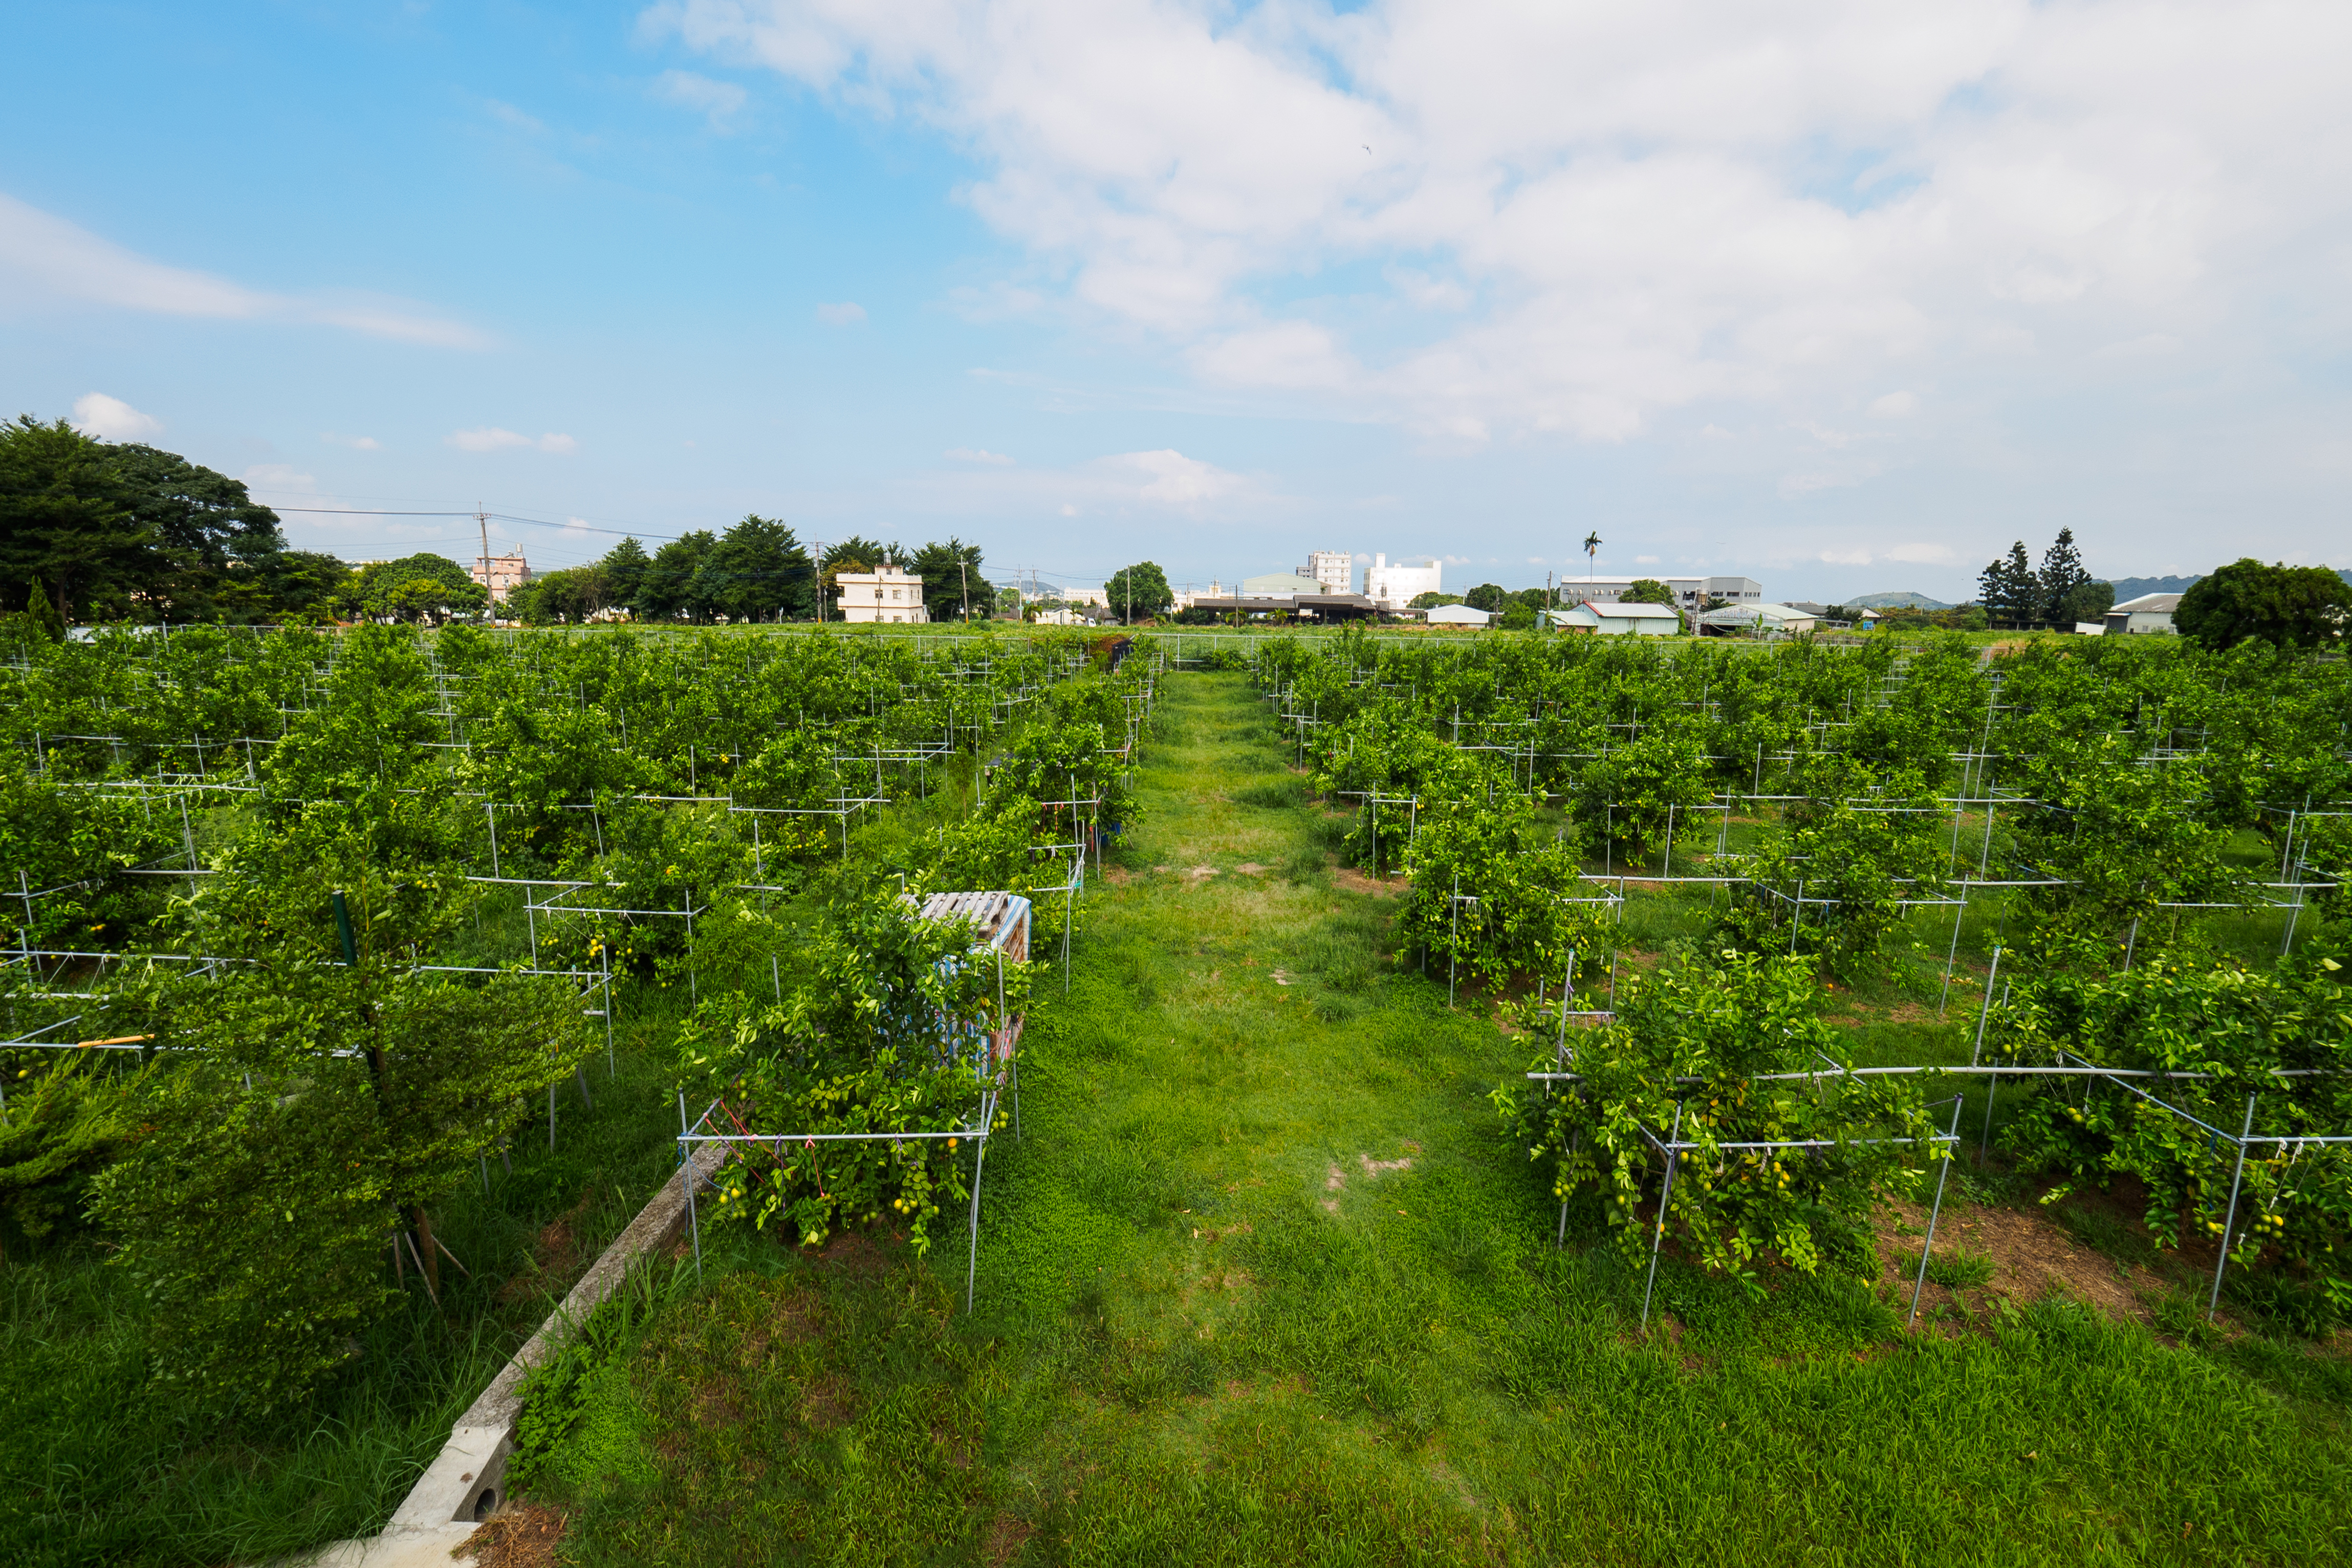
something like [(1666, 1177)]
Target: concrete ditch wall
[(468, 1481)]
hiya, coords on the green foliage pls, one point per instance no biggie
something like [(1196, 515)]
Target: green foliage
[(1632, 795), (66, 522), (1837, 874), (1493, 889), (582, 1383), (1694, 1036), (2232, 1032), (1137, 591), (555, 597), (757, 571), (421, 587), (2287, 607), (953, 588), (64, 1121), (110, 531), (1488, 596), (2065, 588), (308, 1105), (666, 588), (897, 1029), (2009, 590), (1647, 591)]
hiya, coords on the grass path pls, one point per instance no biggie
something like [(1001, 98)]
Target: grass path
[(1262, 1284)]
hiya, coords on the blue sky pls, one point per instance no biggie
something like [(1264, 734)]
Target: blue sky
[(1842, 297)]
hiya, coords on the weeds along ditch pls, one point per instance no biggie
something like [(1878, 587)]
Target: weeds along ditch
[(1266, 1278), (354, 982)]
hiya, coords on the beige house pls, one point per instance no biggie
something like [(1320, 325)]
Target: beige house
[(502, 574), (885, 594)]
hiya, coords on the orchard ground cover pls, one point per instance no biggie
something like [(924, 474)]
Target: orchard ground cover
[(267, 770), (1264, 1282)]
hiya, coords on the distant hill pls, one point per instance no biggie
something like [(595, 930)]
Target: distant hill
[(2133, 588), (1896, 601)]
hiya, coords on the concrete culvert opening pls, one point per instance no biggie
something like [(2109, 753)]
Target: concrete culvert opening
[(485, 1503)]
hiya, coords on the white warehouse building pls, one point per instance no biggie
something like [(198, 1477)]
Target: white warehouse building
[(1691, 593), (1395, 587)]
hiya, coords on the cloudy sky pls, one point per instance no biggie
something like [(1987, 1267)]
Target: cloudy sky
[(1842, 295)]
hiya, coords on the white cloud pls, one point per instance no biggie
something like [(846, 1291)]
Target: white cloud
[(112, 419), (844, 314), (491, 438), (1847, 557), (1069, 511), (517, 117), (716, 101), (1645, 561), (1924, 554), (43, 255), (356, 443), (976, 455), (283, 478), (1171, 478), (1895, 406), (1594, 216), (2150, 346)]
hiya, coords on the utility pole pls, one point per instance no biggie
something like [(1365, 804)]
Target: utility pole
[(483, 518), (964, 578), (816, 568)]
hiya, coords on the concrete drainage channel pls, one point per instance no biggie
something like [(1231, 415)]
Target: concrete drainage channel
[(466, 1481)]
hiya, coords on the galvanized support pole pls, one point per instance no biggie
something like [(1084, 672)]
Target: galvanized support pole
[(2229, 1221), (972, 1260), (1943, 1171), (1665, 1195), (686, 1175)]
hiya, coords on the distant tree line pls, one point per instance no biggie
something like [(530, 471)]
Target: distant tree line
[(757, 571), (96, 530)]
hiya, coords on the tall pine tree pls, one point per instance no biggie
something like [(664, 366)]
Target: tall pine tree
[(2062, 579), (2007, 589)]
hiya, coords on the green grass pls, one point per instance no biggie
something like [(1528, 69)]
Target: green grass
[(1223, 1319), (97, 1465)]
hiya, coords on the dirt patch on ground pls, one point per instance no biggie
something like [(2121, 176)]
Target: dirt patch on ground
[(856, 1255), (793, 1316), (521, 1535), (1252, 867), (556, 1254), (715, 1405), (1006, 1535), (1336, 1182), (2032, 1259), (828, 1403), (1357, 881)]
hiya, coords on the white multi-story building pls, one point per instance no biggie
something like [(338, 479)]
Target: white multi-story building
[(1395, 587), (884, 593), (1335, 569), (502, 574)]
